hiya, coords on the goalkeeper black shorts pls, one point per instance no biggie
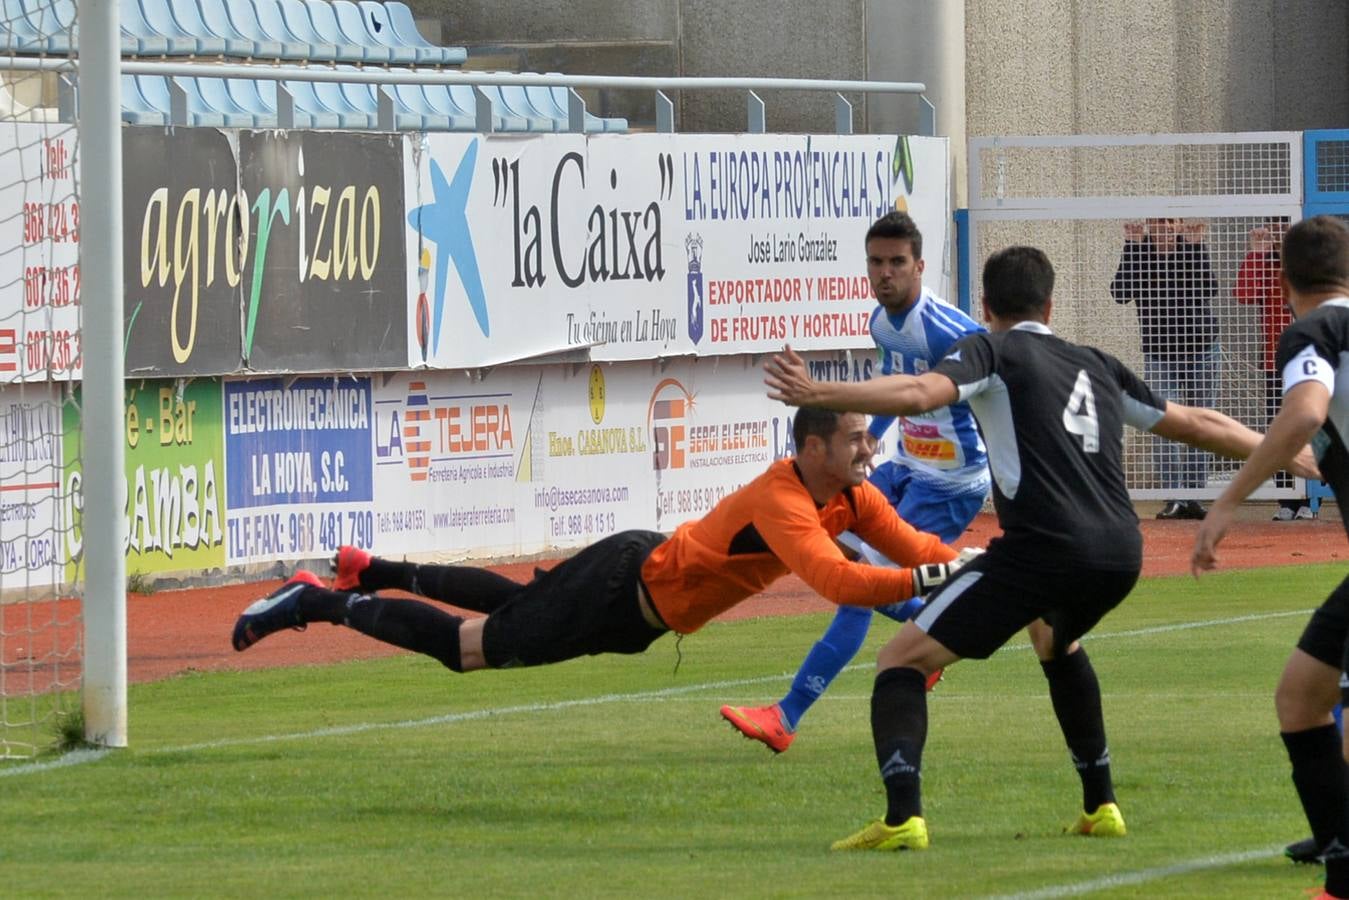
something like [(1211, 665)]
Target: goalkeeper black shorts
[(582, 606), (996, 595)]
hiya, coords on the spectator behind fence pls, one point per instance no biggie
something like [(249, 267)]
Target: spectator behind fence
[(1258, 284), (1165, 272)]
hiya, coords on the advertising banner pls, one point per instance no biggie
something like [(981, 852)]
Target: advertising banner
[(645, 246), (189, 238), (39, 254), (326, 287), (174, 477), (33, 497), (298, 463)]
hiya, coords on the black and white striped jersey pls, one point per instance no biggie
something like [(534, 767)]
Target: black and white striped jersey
[(1053, 415), (1316, 348)]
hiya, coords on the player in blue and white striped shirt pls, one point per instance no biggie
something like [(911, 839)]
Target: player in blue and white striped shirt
[(936, 480)]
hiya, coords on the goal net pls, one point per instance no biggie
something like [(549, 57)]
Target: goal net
[(1165, 251), (41, 640)]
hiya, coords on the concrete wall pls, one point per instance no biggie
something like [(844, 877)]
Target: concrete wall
[(1124, 66), (1031, 67)]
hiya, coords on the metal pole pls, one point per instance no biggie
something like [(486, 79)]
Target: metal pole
[(104, 472)]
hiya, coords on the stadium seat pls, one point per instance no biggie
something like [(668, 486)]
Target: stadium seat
[(379, 21), (274, 25), (216, 19), (244, 15), (296, 14), (553, 101), (159, 16), (444, 116), (39, 26), (405, 117), (136, 110), (323, 17), (155, 90), (352, 22), (312, 112), (516, 101), (213, 94), (405, 30)]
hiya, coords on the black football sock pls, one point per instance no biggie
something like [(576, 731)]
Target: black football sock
[(1319, 774), (318, 604), (899, 729), (409, 624), (467, 587), (1076, 695)]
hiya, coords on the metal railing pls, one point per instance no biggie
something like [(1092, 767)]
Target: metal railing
[(576, 109)]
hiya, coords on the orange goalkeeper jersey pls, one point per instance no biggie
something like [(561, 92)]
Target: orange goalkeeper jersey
[(773, 526)]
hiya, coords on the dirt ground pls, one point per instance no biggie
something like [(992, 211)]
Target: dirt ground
[(172, 632)]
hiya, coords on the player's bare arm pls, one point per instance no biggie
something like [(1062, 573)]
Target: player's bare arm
[(1304, 409), (789, 380), (1218, 433)]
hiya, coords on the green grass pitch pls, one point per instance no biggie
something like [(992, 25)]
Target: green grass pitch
[(614, 776)]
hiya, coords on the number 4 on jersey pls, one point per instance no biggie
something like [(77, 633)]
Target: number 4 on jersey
[(1079, 416)]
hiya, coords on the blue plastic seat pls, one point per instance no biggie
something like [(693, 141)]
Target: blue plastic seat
[(159, 15), (301, 24), (324, 20), (352, 21), (412, 99), (366, 97), (215, 17), (40, 26), (451, 105), (136, 110), (155, 90), (274, 25), (211, 94), (256, 97), (405, 30), (312, 112), (379, 23), (244, 14), (208, 22), (462, 96), (331, 95), (554, 101), (516, 100)]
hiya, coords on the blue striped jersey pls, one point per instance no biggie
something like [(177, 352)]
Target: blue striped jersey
[(943, 447)]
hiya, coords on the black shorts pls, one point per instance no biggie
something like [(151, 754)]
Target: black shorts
[(995, 596), (582, 606), (1324, 637)]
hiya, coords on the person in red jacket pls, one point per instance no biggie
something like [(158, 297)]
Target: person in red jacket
[(1258, 284), (619, 595)]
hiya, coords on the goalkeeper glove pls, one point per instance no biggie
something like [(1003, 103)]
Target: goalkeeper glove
[(928, 577), (933, 575)]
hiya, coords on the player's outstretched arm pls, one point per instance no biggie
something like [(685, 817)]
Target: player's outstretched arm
[(1218, 433), (1304, 409), (788, 380)]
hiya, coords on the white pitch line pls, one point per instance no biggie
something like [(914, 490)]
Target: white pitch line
[(73, 758), (637, 697), (1143, 876)]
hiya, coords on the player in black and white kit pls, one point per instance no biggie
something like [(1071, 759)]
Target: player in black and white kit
[(1052, 414), (1313, 357)]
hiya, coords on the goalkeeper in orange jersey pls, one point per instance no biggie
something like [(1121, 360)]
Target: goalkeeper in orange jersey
[(622, 593)]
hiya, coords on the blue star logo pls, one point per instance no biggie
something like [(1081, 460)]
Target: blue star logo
[(444, 223)]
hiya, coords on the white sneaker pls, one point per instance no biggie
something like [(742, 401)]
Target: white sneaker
[(1284, 514), (1305, 512)]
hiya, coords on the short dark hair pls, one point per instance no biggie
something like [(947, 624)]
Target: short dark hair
[(1018, 282), (811, 420), (1316, 255), (898, 225)]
